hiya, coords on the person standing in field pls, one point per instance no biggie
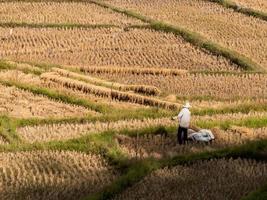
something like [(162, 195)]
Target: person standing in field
[(184, 122)]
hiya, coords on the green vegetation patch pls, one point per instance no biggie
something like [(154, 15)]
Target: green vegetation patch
[(243, 10), (260, 194)]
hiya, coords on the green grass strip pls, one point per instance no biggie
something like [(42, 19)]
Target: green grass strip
[(214, 98), (136, 172), (194, 38), (115, 115), (8, 130), (245, 108), (67, 25), (54, 25), (4, 65), (154, 113), (253, 122), (260, 194), (241, 9)]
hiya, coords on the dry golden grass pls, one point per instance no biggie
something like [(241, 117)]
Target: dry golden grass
[(62, 13), (66, 131), (260, 5), (44, 133), (90, 97), (201, 180), (107, 47), (224, 104), (107, 92), (52, 175), (19, 76), (221, 86), (130, 70), (15, 75), (159, 146), (22, 104), (143, 89), (244, 34), (239, 135)]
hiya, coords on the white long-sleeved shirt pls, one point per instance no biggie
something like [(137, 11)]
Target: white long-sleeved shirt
[(184, 118)]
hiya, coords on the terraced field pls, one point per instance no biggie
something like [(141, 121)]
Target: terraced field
[(243, 34), (89, 91), (107, 47), (173, 183), (52, 173), (62, 13), (224, 86)]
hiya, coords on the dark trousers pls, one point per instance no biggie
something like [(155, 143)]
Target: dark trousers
[(182, 135)]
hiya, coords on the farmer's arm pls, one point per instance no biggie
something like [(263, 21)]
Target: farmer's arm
[(179, 116)]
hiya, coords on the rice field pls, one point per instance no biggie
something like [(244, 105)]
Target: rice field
[(260, 5), (220, 86), (162, 146), (246, 35), (52, 174), (236, 178), (107, 92), (89, 91), (65, 131), (19, 76), (62, 13), (44, 133), (22, 104), (107, 47)]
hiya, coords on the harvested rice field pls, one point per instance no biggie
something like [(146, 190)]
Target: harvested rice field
[(90, 93), (108, 47), (67, 131), (22, 104), (62, 13), (52, 174), (43, 133), (246, 35), (218, 86), (19, 76), (162, 145), (236, 178), (260, 5)]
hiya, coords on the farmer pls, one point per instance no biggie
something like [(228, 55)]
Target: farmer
[(184, 122)]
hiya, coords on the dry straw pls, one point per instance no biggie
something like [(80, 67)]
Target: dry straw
[(243, 34), (141, 48), (42, 13), (107, 92), (145, 89)]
